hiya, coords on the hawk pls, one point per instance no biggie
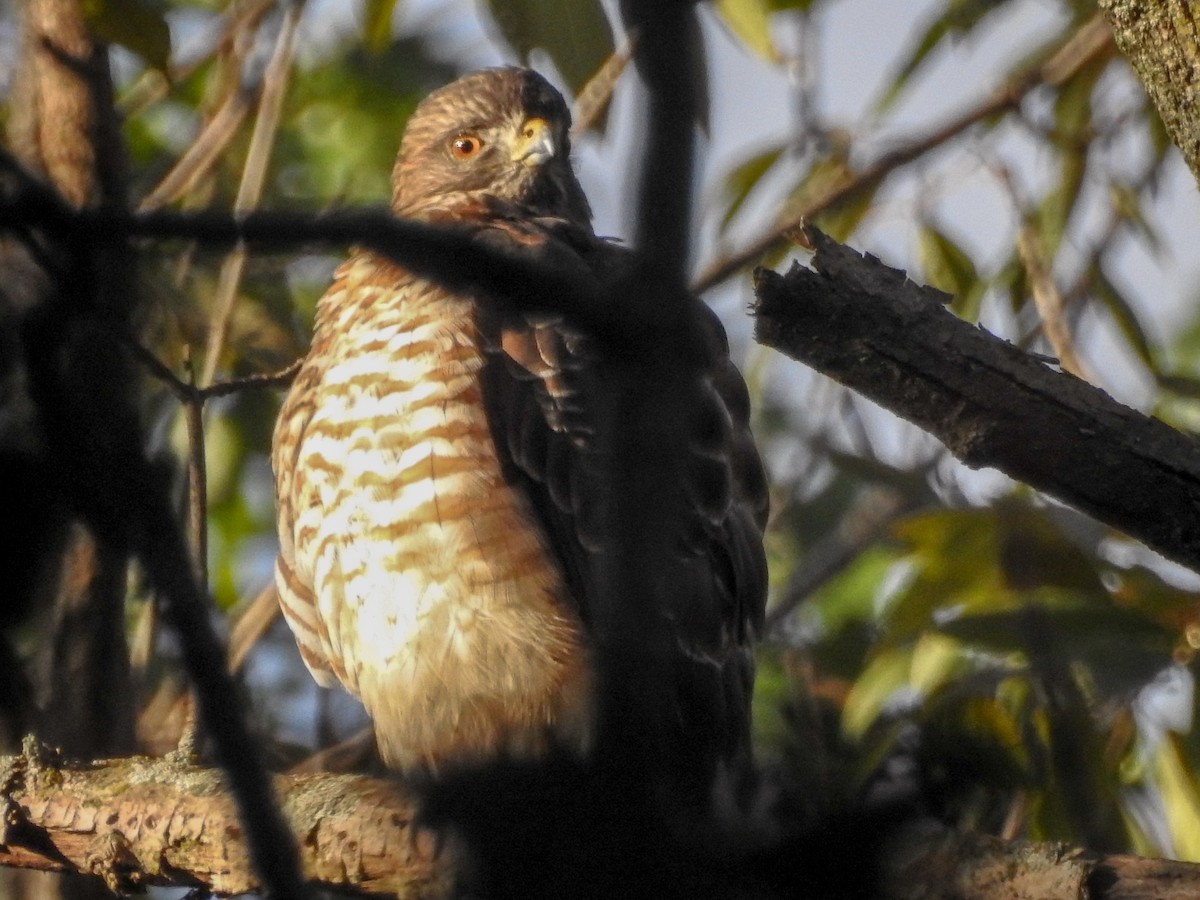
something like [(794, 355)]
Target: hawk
[(439, 463)]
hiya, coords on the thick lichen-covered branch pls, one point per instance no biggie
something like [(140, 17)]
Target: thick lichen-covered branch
[(1161, 38), (139, 822), (976, 867), (136, 822)]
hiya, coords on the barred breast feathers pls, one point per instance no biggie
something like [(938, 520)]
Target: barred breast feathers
[(404, 553)]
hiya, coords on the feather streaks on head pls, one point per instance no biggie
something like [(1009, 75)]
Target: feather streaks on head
[(490, 140)]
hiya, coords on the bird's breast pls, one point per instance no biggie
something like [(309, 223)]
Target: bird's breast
[(436, 597)]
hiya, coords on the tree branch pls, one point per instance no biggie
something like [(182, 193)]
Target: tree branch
[(868, 327), (254, 174), (138, 822), (456, 257), (668, 57), (1162, 41), (976, 867)]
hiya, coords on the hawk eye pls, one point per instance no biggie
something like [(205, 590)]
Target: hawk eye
[(465, 146)]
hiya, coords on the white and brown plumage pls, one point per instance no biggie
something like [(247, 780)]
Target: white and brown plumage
[(436, 470)]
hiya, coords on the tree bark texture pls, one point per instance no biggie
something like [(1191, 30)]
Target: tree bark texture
[(65, 128), (992, 404), (1161, 39), (64, 124), (949, 866), (137, 822)]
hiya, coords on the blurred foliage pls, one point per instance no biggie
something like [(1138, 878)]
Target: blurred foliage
[(132, 24), (954, 20), (575, 34), (1013, 657), (346, 115)]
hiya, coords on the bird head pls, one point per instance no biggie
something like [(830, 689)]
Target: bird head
[(494, 135)]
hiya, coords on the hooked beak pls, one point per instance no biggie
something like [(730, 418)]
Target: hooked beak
[(535, 142)]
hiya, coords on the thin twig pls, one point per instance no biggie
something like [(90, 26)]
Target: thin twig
[(152, 86), (186, 392), (454, 255), (1091, 41), (157, 368), (220, 127), (193, 398), (250, 622), (280, 378), (204, 151), (197, 470), (253, 175), (1049, 302), (591, 101)]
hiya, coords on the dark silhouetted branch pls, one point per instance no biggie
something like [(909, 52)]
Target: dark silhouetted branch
[(100, 463), (992, 404), (459, 258)]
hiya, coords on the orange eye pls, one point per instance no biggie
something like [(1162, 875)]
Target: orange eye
[(465, 146)]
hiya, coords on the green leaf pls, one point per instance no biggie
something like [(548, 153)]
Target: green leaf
[(1036, 554), (936, 660), (132, 24), (1183, 385), (1179, 407), (827, 175), (1094, 629), (840, 221), (958, 18), (772, 691), (984, 562), (1012, 281), (1185, 346), (575, 33), (886, 673), (344, 120), (1056, 207), (1180, 797), (843, 613), (850, 596), (1073, 105), (974, 739), (954, 556), (750, 21), (1142, 589), (1127, 321), (948, 267), (377, 24), (740, 182), (1128, 204)]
